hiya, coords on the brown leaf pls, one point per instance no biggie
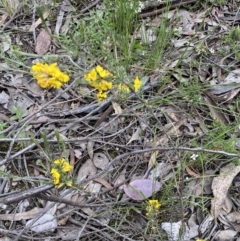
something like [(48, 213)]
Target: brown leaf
[(90, 146), (63, 221), (33, 213), (43, 42), (192, 173), (103, 182), (87, 169), (100, 160), (220, 186), (136, 135)]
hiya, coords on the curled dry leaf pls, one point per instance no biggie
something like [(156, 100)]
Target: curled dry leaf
[(103, 182), (43, 42), (220, 186), (136, 135), (100, 160), (118, 110), (141, 189), (87, 169), (45, 223)]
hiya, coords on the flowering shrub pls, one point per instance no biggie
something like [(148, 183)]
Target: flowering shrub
[(152, 207), (49, 76), (59, 170), (99, 78)]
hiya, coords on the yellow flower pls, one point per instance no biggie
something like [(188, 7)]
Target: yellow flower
[(102, 85), (91, 76), (64, 166), (101, 96), (123, 87), (199, 239), (56, 176), (96, 78), (49, 76), (152, 207), (103, 73), (137, 84)]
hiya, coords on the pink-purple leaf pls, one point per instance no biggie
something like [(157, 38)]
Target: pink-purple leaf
[(141, 189)]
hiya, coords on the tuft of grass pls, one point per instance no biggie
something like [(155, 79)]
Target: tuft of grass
[(9, 6)]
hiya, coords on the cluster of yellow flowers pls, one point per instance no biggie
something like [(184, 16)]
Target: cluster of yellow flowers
[(49, 75), (99, 78), (152, 207), (60, 168)]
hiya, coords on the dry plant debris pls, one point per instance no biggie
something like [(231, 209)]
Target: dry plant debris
[(119, 120)]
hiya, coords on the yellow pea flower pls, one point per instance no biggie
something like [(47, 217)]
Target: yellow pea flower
[(137, 84), (101, 96), (103, 73), (63, 165), (49, 76), (91, 76), (56, 176), (152, 207)]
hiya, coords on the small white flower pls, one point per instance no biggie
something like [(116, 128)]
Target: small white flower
[(194, 157), (212, 50)]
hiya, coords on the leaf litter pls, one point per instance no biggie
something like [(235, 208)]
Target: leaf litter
[(173, 112)]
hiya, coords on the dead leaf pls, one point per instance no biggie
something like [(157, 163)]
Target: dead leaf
[(233, 77), (33, 213), (42, 119), (214, 110), (160, 171), (121, 178), (93, 187), (3, 18), (86, 170), (77, 154), (136, 135), (192, 173), (118, 110), (103, 182), (47, 222), (43, 42), (224, 235), (172, 229), (63, 221), (141, 189), (220, 186), (90, 146), (191, 229), (100, 160), (4, 99), (227, 205)]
